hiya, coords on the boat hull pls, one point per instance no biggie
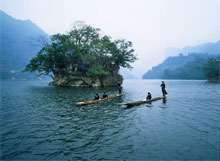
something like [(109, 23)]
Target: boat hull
[(130, 104), (97, 101)]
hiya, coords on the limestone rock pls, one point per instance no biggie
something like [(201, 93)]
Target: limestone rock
[(86, 81)]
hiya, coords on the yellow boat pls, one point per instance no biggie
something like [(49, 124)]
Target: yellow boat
[(100, 100), (130, 104)]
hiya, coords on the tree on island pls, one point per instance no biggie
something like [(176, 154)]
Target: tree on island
[(82, 51)]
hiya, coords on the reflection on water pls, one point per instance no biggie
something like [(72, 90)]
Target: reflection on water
[(43, 123), (164, 100)]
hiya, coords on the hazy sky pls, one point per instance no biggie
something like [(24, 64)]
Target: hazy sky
[(152, 25)]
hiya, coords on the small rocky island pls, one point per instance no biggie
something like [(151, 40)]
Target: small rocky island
[(82, 58), (81, 76)]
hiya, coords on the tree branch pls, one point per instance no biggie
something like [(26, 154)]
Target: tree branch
[(39, 74)]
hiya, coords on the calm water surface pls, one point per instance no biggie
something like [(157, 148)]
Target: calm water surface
[(39, 122)]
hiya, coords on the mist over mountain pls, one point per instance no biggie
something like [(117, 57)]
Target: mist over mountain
[(188, 54), (18, 45), (209, 48)]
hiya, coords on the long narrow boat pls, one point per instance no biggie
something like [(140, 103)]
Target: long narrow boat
[(100, 100), (142, 101)]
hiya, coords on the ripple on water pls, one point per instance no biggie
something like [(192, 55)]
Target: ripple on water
[(43, 123)]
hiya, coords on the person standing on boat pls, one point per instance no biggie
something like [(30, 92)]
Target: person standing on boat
[(105, 95), (164, 92), (97, 97), (119, 84), (149, 96), (119, 87)]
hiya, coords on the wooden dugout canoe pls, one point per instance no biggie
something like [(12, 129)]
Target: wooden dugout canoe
[(100, 100), (130, 104)]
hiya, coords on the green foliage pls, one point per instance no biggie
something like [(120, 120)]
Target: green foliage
[(123, 53), (97, 70), (200, 68), (82, 50), (172, 64), (191, 70), (212, 69)]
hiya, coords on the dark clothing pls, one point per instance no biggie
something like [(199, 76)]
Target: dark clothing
[(119, 84), (163, 85), (164, 92), (105, 96), (119, 89), (149, 97), (97, 97)]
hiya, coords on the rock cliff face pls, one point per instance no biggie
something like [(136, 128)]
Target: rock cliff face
[(79, 76), (86, 81)]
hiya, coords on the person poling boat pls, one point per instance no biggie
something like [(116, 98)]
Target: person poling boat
[(96, 97), (105, 95), (119, 84), (164, 92), (119, 87), (119, 90), (148, 96)]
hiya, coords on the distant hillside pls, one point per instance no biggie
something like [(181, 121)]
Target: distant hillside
[(191, 70), (200, 68), (209, 48), (18, 46), (187, 54), (171, 63)]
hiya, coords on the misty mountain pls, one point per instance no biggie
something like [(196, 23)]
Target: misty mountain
[(191, 70), (170, 63), (173, 64), (18, 45), (185, 55), (209, 48), (200, 68)]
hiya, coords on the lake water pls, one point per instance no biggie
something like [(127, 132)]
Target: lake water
[(39, 122)]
